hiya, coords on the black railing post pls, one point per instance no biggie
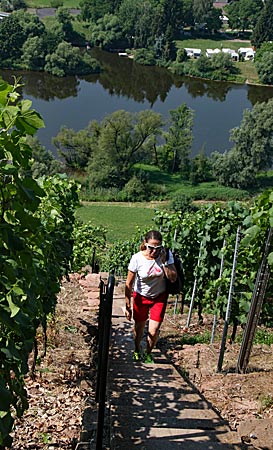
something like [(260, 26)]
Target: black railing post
[(105, 314)]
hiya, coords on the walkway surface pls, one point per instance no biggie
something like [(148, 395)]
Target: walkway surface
[(152, 406)]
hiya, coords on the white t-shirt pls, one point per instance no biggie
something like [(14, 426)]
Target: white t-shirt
[(149, 280)]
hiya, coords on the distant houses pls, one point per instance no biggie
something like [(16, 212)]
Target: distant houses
[(193, 52), (245, 52)]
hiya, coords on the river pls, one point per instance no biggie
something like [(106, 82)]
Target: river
[(75, 101)]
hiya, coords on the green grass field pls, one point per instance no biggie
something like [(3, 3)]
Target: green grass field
[(120, 219), (48, 3)]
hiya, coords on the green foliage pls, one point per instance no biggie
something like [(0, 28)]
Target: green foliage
[(266, 402), (176, 151), (67, 60), (120, 253), (122, 140), (252, 152), (200, 168), (203, 338), (64, 17), (144, 56), (263, 31), (43, 163), (136, 190), (93, 10), (181, 55), (264, 48), (219, 67), (34, 53), (243, 14), (263, 336), (75, 147), (182, 203), (89, 245), (265, 67), (36, 225), (106, 32)]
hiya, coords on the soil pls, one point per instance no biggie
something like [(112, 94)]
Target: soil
[(63, 386), (245, 400), (64, 383)]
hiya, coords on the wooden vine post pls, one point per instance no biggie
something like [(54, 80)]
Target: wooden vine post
[(229, 303)]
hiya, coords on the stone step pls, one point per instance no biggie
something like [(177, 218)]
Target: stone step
[(152, 406), (156, 438)]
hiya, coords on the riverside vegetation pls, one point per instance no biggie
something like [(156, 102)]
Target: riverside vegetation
[(156, 33)]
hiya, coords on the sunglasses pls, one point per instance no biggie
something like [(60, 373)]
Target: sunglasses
[(151, 248)]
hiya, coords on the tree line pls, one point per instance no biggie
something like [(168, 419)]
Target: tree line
[(150, 27)]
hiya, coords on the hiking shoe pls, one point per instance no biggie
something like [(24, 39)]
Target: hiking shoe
[(148, 359), (136, 356)]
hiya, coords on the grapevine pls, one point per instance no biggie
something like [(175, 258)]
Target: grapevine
[(36, 222)]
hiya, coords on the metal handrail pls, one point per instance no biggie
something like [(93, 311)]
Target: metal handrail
[(105, 314)]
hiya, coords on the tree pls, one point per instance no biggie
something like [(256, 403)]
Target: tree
[(92, 10), (201, 9), (106, 31), (145, 34), (34, 53), (200, 168), (264, 67), (253, 149), (12, 38), (222, 63), (243, 14), (169, 14), (44, 162), (68, 60), (128, 15), (178, 139), (123, 139), (14, 31), (64, 17), (213, 21), (263, 30), (75, 148), (232, 10)]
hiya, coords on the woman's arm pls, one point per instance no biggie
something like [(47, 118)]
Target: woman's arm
[(128, 292), (170, 272), (169, 269)]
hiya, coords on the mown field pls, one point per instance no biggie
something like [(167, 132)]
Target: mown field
[(120, 219), (50, 3)]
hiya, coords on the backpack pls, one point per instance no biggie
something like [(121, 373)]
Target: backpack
[(176, 287)]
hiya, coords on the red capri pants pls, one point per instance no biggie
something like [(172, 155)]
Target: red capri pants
[(143, 305)]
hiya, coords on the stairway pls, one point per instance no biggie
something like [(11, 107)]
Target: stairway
[(152, 406)]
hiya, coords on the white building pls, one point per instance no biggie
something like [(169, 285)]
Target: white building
[(234, 55), (212, 51), (193, 52), (247, 53)]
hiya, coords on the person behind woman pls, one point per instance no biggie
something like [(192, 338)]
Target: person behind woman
[(146, 278)]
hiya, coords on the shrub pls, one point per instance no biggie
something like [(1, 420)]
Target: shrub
[(145, 57)]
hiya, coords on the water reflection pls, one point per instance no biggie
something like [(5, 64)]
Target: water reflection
[(122, 77), (44, 86), (75, 101)]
